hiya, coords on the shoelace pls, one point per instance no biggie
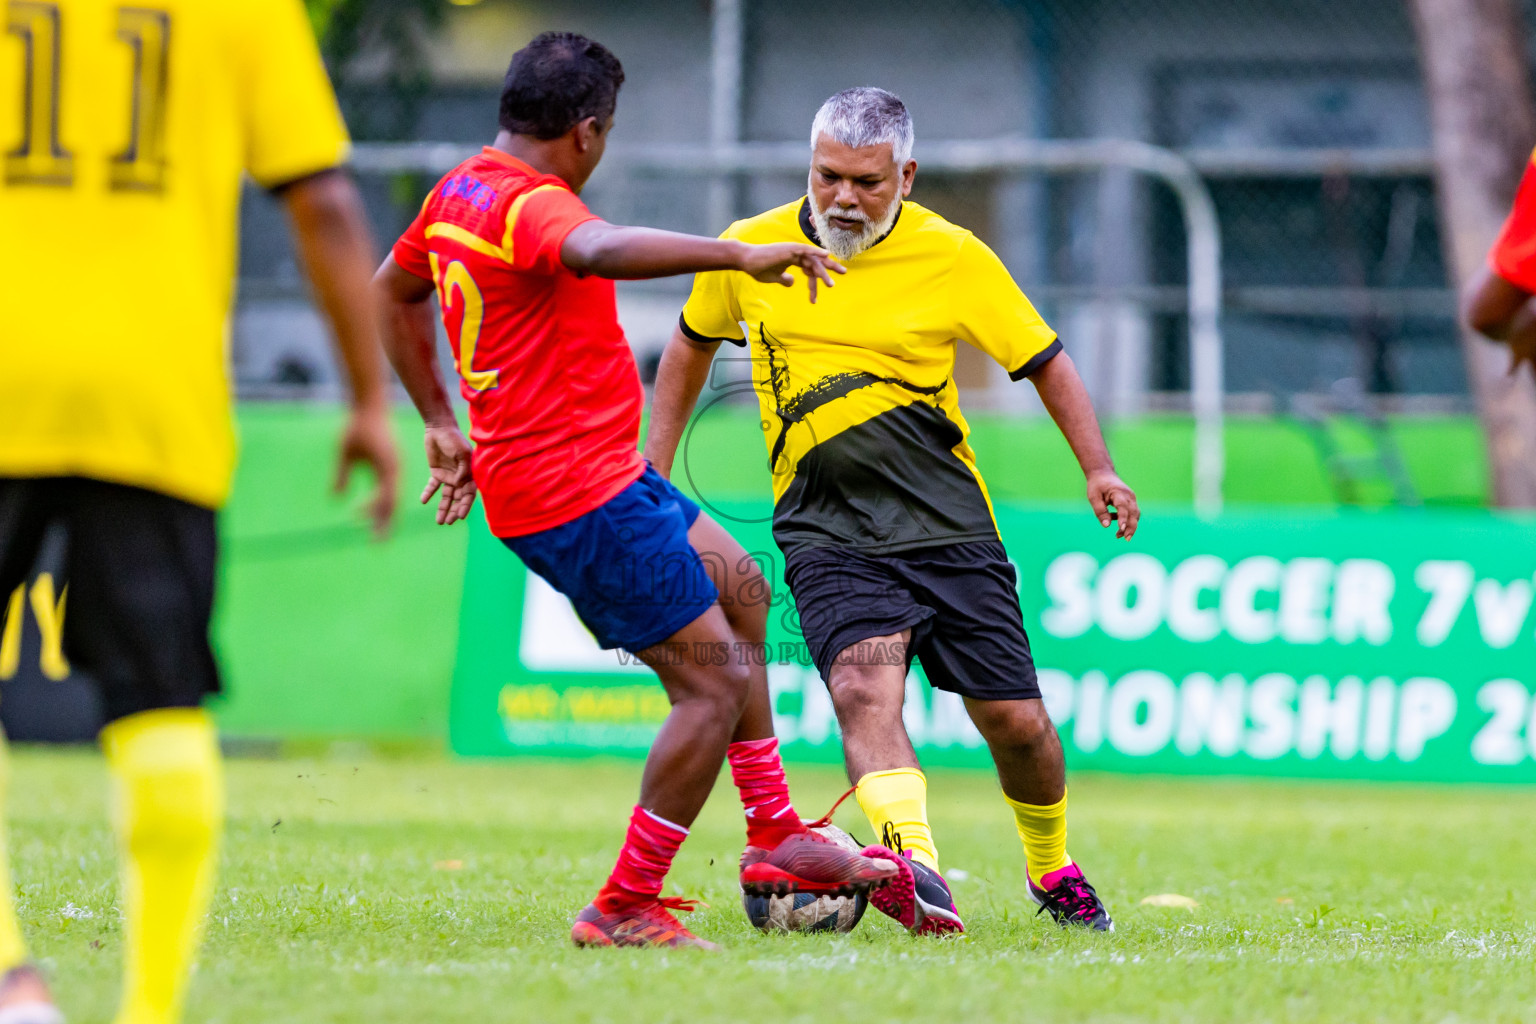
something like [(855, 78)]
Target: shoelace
[(826, 819), (1079, 898), (889, 837), (687, 906)]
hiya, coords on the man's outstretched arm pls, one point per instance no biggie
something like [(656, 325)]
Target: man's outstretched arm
[(679, 379), (333, 238), (616, 251), (1066, 399), (410, 341)]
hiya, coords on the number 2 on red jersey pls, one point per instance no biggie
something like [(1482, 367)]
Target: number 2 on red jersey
[(456, 290)]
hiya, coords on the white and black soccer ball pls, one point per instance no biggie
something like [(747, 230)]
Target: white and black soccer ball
[(805, 911)]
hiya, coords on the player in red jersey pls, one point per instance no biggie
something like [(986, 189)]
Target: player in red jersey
[(524, 276), (1499, 303)]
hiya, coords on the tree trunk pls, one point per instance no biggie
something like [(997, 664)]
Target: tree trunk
[(1476, 78)]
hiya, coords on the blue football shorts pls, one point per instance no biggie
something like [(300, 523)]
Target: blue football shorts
[(626, 566)]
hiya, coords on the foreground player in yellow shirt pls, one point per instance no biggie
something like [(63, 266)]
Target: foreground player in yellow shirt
[(126, 129), (891, 550)]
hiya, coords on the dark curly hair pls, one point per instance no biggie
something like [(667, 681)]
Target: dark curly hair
[(557, 81)]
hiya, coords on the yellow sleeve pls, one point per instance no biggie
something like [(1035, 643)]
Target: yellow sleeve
[(992, 313), (293, 127), (713, 312)]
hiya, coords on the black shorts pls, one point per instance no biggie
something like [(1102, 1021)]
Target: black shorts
[(960, 601), (140, 572)]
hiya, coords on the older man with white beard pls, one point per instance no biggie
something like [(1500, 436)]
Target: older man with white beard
[(891, 549)]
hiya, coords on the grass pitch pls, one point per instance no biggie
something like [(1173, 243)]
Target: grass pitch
[(424, 890)]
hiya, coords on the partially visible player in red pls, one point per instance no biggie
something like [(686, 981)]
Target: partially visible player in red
[(1499, 303), (523, 273)]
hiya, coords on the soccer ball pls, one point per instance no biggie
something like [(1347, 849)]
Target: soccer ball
[(805, 911)]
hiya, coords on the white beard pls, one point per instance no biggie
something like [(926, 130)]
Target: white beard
[(845, 245)]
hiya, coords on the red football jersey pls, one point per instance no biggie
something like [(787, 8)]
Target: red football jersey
[(554, 394), (1514, 255)]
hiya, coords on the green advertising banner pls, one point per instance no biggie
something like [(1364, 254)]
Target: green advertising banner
[(1391, 645)]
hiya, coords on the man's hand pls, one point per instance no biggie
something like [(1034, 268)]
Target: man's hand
[(771, 263), (448, 455), (1106, 490), (332, 234), (368, 439)]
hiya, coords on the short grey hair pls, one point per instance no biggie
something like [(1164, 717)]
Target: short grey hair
[(866, 116)]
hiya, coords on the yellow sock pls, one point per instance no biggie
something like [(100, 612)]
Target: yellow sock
[(13, 948), (168, 808), (896, 804), (1044, 832)]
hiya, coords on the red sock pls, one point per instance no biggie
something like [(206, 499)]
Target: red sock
[(759, 775), (649, 847)]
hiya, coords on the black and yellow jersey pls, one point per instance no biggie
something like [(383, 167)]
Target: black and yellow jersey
[(126, 128), (865, 437)]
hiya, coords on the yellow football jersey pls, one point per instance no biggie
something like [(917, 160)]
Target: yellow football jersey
[(125, 128), (865, 437)]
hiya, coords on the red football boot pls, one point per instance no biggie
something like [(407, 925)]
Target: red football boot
[(801, 860), (808, 862), (644, 922)]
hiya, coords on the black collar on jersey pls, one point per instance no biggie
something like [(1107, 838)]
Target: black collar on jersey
[(808, 226)]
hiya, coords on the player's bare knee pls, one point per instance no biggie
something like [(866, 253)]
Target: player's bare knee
[(861, 692), (1015, 723), (730, 685), (1032, 724), (717, 699)]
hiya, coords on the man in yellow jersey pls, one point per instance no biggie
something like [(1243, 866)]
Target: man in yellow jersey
[(888, 536), (125, 131)]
